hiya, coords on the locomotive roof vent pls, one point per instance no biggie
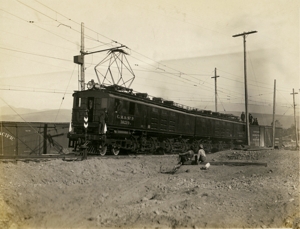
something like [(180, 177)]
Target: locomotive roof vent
[(216, 114), (206, 112), (142, 95), (169, 103), (119, 88), (157, 99)]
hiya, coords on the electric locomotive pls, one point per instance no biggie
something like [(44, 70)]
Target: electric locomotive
[(107, 119)]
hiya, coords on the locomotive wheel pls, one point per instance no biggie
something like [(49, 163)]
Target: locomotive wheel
[(102, 150), (160, 151), (184, 146), (115, 151), (152, 145), (168, 146)]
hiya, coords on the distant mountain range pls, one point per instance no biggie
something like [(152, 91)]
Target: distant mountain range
[(266, 119), (30, 115), (64, 115)]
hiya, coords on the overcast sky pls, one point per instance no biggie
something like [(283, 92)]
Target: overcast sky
[(174, 47)]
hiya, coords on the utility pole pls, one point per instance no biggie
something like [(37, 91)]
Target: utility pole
[(80, 60), (294, 105), (216, 94), (245, 79), (82, 78), (274, 114)]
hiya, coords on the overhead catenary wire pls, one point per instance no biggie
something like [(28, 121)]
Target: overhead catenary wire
[(34, 24), (75, 22), (60, 23), (64, 94), (34, 54), (176, 74)]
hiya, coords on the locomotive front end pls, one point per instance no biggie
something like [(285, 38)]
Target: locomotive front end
[(89, 121)]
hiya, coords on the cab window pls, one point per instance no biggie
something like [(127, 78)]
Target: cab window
[(77, 102)]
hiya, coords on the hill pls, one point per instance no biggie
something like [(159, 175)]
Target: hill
[(30, 115), (266, 119)]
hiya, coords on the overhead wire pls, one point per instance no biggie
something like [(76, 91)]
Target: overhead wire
[(63, 16), (64, 94), (40, 41), (26, 59), (175, 74), (34, 90), (74, 22), (219, 99), (34, 54), (14, 15), (60, 23)]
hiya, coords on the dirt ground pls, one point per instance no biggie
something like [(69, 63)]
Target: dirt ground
[(137, 192)]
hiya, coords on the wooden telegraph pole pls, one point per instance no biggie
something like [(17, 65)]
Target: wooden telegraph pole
[(245, 79), (294, 105), (216, 94), (80, 60), (274, 114), (82, 79)]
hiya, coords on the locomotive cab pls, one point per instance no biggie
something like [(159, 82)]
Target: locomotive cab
[(90, 106)]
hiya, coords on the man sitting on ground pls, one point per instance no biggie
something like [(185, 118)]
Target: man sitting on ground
[(184, 157), (201, 156)]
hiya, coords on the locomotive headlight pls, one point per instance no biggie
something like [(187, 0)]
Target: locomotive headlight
[(90, 84)]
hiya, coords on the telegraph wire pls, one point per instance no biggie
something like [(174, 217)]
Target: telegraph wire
[(15, 15), (64, 94), (39, 41), (174, 18), (177, 77), (60, 23), (243, 82), (32, 22), (168, 74), (25, 59), (40, 91), (34, 54), (179, 72), (63, 16), (264, 119), (88, 37), (221, 103), (21, 117)]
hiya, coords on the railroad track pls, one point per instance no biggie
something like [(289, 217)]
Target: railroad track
[(72, 156), (76, 157)]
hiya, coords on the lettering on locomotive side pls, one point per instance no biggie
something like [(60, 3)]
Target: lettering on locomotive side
[(125, 117), (7, 136), (124, 122)]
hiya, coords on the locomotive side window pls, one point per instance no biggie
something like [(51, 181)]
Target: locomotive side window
[(138, 109), (118, 105), (104, 103), (154, 110), (164, 113), (131, 108)]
